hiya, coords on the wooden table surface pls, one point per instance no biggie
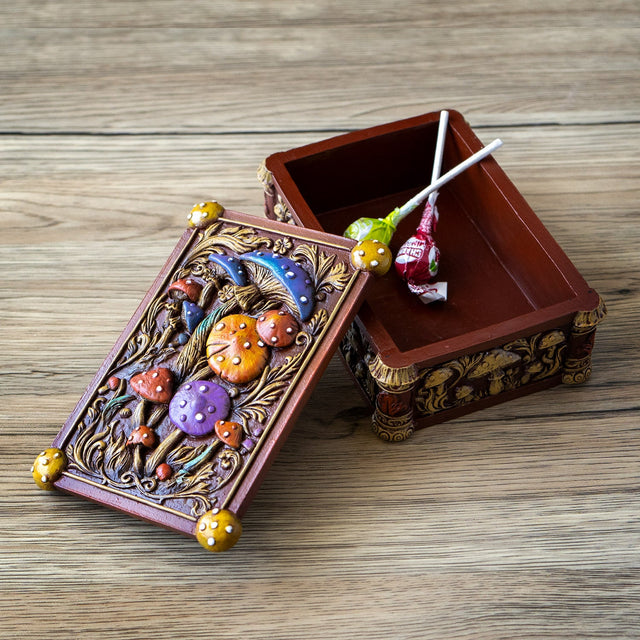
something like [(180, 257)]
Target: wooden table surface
[(518, 521)]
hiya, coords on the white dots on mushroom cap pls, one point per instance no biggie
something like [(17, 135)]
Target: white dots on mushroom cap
[(211, 541), (236, 360)]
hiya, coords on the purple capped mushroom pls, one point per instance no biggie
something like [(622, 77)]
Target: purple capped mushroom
[(194, 410), (296, 287), (197, 406)]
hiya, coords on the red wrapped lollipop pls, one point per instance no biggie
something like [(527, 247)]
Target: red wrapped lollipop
[(418, 259)]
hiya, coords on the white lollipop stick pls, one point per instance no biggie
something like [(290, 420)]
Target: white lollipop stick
[(410, 205), (437, 158)]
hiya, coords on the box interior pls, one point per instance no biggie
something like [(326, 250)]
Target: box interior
[(493, 257)]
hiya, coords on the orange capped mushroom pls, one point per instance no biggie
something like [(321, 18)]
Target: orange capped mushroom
[(229, 432), (235, 350), (277, 328)]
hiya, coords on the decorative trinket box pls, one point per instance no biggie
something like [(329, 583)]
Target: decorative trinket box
[(185, 415), (189, 409), (519, 317)]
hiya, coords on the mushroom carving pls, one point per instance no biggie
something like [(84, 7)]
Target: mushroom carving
[(372, 255), (194, 410), (142, 437), (204, 213), (48, 467), (235, 350), (493, 365), (197, 406), (432, 396), (277, 328), (232, 267), (185, 289), (291, 283), (155, 385), (229, 432), (192, 315), (218, 530)]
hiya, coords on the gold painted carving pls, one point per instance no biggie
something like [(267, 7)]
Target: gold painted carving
[(356, 353), (392, 428), (266, 178), (392, 379), (577, 368), (586, 321), (490, 373), (281, 210)]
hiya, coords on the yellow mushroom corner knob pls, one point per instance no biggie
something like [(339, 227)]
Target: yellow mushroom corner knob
[(48, 467), (373, 256), (204, 213), (218, 530)]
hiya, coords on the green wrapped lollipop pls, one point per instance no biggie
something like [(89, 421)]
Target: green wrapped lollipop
[(382, 229)]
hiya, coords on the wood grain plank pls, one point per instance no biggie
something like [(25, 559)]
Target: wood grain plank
[(345, 76), (517, 521)]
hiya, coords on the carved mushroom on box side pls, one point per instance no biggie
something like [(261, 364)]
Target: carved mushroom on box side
[(493, 366), (432, 393), (285, 280), (235, 350)]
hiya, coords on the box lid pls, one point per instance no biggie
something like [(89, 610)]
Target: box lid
[(189, 409)]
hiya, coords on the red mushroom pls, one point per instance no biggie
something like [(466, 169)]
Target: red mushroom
[(185, 289), (142, 437), (155, 385), (277, 328)]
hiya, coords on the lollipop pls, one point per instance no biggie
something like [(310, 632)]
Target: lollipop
[(418, 259), (382, 229)]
